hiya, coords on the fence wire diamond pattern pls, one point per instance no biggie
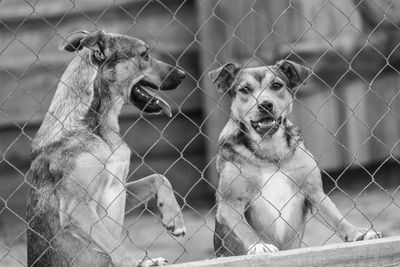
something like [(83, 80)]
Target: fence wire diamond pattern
[(348, 111)]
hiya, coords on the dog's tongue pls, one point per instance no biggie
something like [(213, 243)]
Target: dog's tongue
[(161, 102)]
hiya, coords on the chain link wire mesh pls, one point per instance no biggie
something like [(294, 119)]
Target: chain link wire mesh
[(348, 111)]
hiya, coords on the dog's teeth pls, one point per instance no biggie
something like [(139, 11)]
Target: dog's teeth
[(263, 124)]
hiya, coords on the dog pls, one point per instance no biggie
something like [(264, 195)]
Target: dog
[(268, 180), (80, 163)]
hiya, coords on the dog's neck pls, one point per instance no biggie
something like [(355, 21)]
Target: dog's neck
[(82, 102), (244, 141)]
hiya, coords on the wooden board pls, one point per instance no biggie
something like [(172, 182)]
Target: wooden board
[(371, 253)]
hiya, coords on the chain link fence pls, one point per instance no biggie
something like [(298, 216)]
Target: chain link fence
[(348, 111)]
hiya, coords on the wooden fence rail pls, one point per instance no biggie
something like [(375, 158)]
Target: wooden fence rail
[(370, 253)]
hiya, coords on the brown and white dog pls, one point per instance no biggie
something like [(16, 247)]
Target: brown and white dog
[(268, 180), (80, 163)]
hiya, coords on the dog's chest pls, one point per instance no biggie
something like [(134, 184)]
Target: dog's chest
[(117, 167), (280, 207), (118, 162), (277, 188), (113, 197)]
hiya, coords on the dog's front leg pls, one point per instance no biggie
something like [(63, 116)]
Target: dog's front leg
[(84, 216), (322, 203), (230, 213), (157, 185)]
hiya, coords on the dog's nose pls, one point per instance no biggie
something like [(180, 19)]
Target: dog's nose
[(266, 107), (181, 74)]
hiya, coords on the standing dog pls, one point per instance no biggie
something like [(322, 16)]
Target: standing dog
[(80, 163), (268, 179)]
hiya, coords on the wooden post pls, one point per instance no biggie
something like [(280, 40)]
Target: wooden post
[(215, 109)]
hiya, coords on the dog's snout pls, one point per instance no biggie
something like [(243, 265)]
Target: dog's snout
[(266, 106), (173, 79)]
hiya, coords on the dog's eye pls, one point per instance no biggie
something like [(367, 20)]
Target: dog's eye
[(276, 86), (244, 90), (144, 55)]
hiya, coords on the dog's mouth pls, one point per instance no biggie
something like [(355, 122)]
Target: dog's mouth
[(266, 125), (147, 100)]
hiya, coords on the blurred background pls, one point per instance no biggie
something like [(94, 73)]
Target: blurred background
[(349, 110)]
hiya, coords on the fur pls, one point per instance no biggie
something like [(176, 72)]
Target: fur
[(268, 180), (79, 166)]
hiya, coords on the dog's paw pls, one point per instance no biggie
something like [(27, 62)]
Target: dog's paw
[(171, 214), (364, 234), (152, 262), (173, 222), (260, 248)]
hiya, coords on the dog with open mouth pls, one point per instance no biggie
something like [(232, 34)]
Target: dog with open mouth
[(268, 180), (80, 163)]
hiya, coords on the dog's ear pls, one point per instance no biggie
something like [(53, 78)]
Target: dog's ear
[(99, 42), (295, 73), (72, 42), (224, 76)]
